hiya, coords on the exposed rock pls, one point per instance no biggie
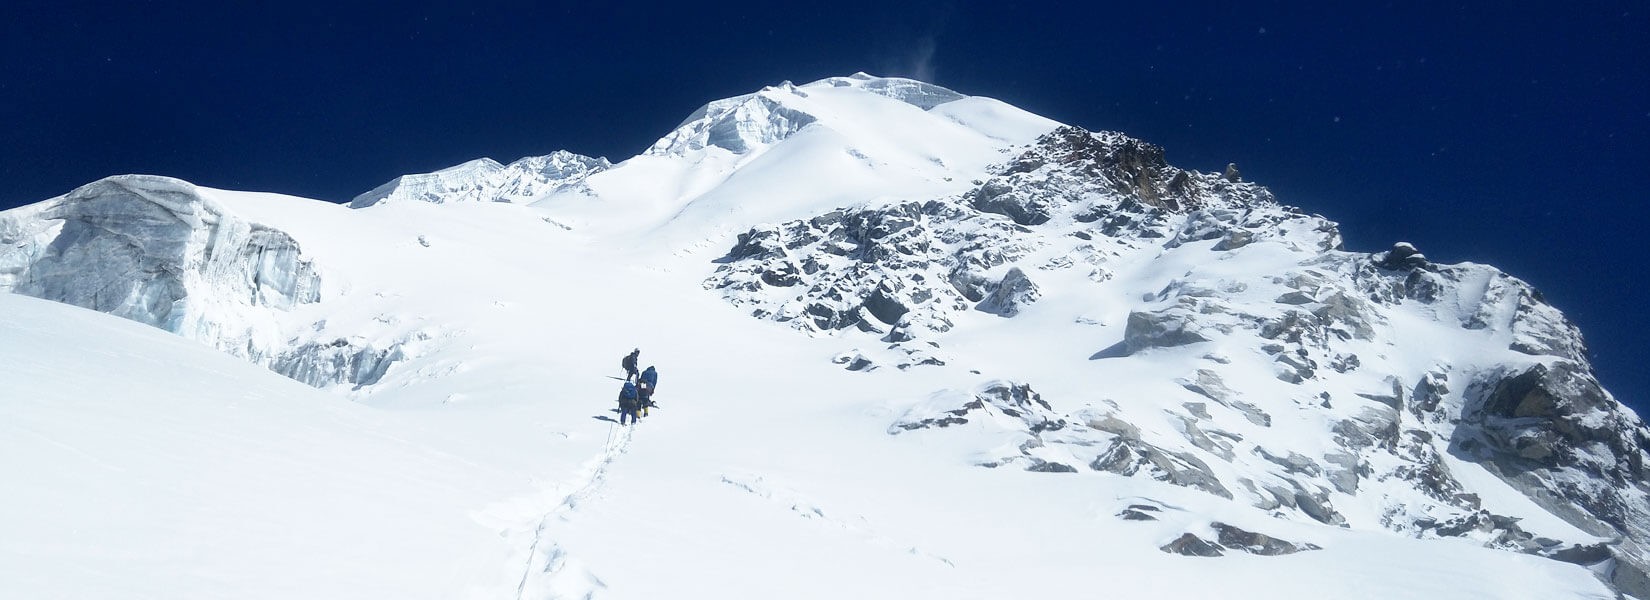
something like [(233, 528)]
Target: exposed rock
[(1197, 409), (1197, 437), (1590, 554), (1316, 505), (1172, 327), (1402, 256), (1296, 298), (1296, 368), (1428, 393), (1117, 427), (1024, 208), (1041, 466), (1128, 457), (1550, 431), (1236, 538), (1293, 463), (1345, 471), (1209, 384), (1021, 405), (1349, 317), (1393, 399), (1235, 239), (1139, 512), (1013, 293), (1191, 545)]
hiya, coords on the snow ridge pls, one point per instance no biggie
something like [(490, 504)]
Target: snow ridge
[(485, 180)]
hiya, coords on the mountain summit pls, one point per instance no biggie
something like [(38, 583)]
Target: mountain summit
[(913, 343)]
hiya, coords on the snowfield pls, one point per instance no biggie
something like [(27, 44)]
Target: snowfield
[(837, 416)]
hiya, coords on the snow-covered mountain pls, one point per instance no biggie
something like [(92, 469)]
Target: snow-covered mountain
[(914, 344), (484, 180)]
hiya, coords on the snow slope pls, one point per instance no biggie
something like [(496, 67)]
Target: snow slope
[(941, 428)]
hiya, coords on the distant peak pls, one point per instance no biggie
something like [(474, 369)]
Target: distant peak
[(742, 123), (486, 180), (910, 91)]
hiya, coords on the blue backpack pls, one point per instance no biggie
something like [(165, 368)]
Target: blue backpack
[(629, 391), (651, 378)]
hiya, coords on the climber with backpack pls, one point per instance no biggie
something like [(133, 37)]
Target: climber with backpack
[(629, 364), (629, 401), (646, 382)]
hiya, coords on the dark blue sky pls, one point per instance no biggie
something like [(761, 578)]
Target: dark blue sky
[(1513, 134)]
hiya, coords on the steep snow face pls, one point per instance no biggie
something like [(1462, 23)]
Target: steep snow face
[(485, 180)]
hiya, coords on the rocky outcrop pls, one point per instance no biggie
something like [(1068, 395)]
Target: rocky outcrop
[(905, 270), (1131, 456), (1552, 432), (1013, 293), (1015, 401), (1324, 325), (1228, 537)]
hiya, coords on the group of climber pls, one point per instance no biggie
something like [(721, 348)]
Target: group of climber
[(637, 394)]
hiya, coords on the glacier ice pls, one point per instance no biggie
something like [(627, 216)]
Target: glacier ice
[(485, 180)]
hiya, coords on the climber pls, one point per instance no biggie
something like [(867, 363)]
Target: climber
[(649, 377), (629, 364), (644, 397), (628, 402)]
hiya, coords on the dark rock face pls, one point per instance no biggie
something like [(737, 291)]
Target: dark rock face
[(1139, 512), (1555, 416), (905, 270), (1014, 292), (1161, 329), (1550, 431), (1228, 537), (1129, 456), (1017, 401), (1402, 256), (1256, 543), (1191, 545)]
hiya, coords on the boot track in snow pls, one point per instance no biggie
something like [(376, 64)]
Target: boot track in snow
[(557, 579)]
